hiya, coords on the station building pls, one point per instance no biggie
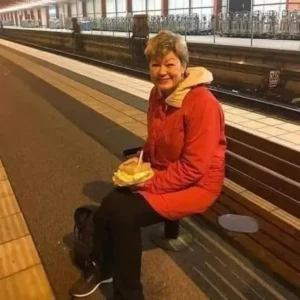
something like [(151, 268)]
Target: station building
[(42, 11)]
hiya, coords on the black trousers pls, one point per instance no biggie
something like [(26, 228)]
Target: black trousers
[(117, 239)]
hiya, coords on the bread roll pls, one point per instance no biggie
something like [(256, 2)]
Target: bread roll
[(134, 173), (134, 168)]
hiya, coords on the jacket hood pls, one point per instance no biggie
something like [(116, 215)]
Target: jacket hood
[(195, 76)]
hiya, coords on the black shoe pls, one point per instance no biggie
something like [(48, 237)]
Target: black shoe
[(92, 280)]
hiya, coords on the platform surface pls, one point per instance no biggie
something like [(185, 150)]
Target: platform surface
[(62, 134)]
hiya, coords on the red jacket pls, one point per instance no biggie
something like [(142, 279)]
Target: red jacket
[(186, 147)]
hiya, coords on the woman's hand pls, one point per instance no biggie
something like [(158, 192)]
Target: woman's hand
[(137, 186)]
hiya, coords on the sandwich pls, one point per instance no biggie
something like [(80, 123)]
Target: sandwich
[(133, 173)]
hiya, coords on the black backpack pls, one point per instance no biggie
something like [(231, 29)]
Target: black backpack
[(83, 233)]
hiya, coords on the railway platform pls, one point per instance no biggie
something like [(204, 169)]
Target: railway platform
[(63, 127)]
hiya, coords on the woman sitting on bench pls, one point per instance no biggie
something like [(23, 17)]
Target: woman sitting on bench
[(186, 148)]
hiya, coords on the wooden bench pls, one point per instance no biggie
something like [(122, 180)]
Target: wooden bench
[(267, 169), (272, 201), (263, 181), (276, 244)]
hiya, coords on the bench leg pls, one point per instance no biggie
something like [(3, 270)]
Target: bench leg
[(175, 238)]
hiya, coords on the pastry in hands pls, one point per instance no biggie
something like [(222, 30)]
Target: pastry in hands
[(133, 173)]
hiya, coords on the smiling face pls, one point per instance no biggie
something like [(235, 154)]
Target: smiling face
[(167, 73)]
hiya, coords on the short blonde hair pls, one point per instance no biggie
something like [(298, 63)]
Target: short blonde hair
[(163, 43)]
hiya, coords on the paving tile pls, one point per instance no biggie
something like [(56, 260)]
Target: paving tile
[(295, 147), (226, 107), (236, 125), (280, 141), (271, 130), (253, 125), (17, 255), (145, 89), (133, 125), (103, 110), (93, 104), (115, 115), (234, 118), (140, 94), (121, 79), (238, 111), (291, 138), (142, 117), (78, 95), (253, 116), (123, 120), (8, 205), (230, 123), (136, 83), (96, 105), (141, 131), (30, 284), (249, 130), (5, 188), (116, 104), (120, 106), (3, 175), (271, 121), (132, 112), (12, 227), (258, 133), (93, 94), (289, 127)]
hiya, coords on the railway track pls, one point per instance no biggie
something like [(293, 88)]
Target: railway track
[(258, 104)]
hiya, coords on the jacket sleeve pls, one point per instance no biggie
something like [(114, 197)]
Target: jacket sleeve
[(202, 136)]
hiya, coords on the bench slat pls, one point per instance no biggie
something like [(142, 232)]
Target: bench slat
[(262, 158), (279, 220), (264, 175), (280, 200), (269, 236)]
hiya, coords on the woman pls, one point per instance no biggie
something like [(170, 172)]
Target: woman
[(186, 147)]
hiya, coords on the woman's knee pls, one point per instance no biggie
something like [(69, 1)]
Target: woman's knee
[(114, 203), (106, 206), (122, 208), (113, 199)]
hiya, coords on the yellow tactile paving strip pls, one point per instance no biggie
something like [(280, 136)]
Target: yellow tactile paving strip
[(21, 273), (29, 284)]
